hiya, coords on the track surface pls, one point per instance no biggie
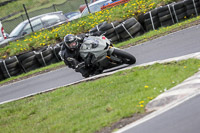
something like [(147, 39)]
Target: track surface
[(184, 118), (177, 44)]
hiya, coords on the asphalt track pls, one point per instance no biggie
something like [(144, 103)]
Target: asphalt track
[(173, 45), (183, 118)]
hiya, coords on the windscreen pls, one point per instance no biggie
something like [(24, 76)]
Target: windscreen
[(93, 8), (17, 30)]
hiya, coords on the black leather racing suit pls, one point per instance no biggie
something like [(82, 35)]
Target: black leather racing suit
[(73, 60)]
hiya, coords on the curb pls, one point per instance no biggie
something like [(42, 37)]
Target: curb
[(180, 92), (186, 89)]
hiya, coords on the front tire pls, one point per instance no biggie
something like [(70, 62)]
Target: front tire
[(124, 56)]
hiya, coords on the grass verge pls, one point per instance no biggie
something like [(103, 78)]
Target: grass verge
[(32, 5), (90, 106)]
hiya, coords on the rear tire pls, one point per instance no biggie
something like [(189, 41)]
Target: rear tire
[(124, 56)]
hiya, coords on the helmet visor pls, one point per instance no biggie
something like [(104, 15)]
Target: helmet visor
[(72, 45)]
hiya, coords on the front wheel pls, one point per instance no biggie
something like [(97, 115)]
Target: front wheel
[(124, 56)]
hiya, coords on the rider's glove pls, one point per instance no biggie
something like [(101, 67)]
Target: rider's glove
[(79, 66), (72, 63)]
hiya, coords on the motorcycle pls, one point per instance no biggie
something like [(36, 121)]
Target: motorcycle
[(102, 55)]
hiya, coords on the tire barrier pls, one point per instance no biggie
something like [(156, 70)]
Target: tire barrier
[(46, 56), (152, 20), (165, 15), (117, 31), (179, 11), (10, 67), (129, 28), (169, 14), (96, 28), (28, 61), (109, 31), (133, 31), (193, 7)]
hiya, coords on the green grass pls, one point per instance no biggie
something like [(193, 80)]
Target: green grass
[(90, 106), (3, 0), (32, 5)]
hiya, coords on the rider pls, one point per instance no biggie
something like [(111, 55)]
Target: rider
[(71, 56)]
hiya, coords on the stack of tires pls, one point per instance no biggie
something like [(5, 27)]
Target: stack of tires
[(150, 20), (165, 15), (117, 31), (10, 67), (193, 7), (96, 28), (109, 31), (129, 29), (179, 11), (28, 61), (46, 56)]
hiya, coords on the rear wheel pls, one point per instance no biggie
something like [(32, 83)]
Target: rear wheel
[(124, 56)]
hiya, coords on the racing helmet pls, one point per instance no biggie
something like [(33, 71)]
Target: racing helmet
[(71, 42)]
